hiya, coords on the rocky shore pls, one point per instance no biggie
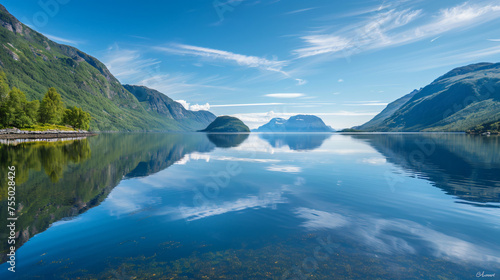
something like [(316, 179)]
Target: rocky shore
[(14, 133)]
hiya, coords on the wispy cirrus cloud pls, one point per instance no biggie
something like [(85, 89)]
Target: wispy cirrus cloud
[(247, 104), (300, 11), (393, 26), (62, 40), (128, 65), (285, 95), (272, 65), (180, 83), (455, 57)]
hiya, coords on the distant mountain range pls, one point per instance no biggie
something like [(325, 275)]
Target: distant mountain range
[(457, 101), (299, 123), (33, 63)]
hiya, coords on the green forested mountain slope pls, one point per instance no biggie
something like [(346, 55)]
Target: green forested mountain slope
[(457, 101), (157, 102), (387, 112), (33, 63)]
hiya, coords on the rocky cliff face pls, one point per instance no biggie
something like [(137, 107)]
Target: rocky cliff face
[(155, 101)]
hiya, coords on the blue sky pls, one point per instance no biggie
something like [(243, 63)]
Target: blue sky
[(341, 60)]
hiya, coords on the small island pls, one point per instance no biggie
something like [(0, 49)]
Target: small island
[(226, 124)]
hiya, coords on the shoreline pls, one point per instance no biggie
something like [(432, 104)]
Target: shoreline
[(12, 134)]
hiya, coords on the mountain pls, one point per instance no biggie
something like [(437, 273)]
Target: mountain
[(299, 123), (457, 101), (226, 124), (274, 125), (387, 112), (33, 63), (157, 102)]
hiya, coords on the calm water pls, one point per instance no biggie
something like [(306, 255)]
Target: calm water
[(268, 206)]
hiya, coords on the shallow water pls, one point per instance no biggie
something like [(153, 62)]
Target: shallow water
[(264, 206)]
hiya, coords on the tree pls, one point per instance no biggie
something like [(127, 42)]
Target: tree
[(4, 92), (16, 110), (495, 126), (4, 87), (32, 108), (52, 108), (77, 118)]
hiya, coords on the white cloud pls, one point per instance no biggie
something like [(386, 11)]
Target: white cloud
[(194, 107), (198, 107), (183, 103), (247, 105), (242, 60), (386, 29), (284, 168), (397, 236), (300, 11), (128, 65), (257, 160), (455, 58), (316, 219), (434, 39), (285, 95), (171, 84), (301, 82), (494, 40), (61, 40), (267, 200), (340, 80), (374, 161)]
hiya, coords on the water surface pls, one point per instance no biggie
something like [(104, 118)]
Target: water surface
[(264, 206)]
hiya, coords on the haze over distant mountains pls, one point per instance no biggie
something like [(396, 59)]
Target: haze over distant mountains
[(457, 101), (299, 123), (33, 63)]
